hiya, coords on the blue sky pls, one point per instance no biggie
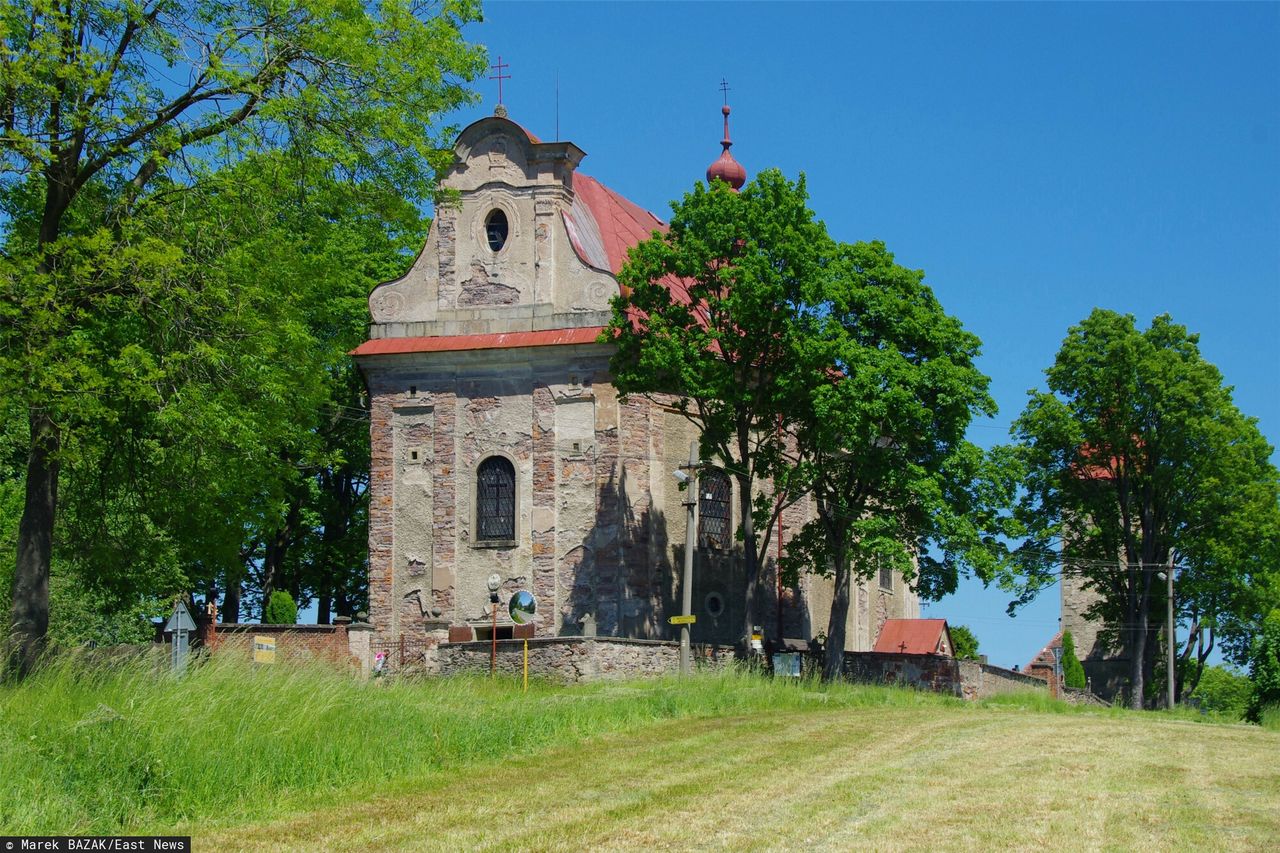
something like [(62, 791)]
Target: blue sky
[(1035, 160)]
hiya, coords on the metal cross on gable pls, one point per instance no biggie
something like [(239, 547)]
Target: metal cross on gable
[(724, 89), (499, 76)]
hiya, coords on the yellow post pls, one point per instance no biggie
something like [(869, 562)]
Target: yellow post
[(526, 666)]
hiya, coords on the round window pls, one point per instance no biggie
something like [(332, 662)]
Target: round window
[(714, 602), (495, 229)]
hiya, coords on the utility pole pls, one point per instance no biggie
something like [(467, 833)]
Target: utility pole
[(1169, 629), (690, 533)]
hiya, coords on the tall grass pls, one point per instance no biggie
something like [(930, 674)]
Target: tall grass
[(1270, 718), (127, 746), (120, 746)]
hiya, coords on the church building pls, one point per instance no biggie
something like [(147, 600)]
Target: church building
[(500, 446)]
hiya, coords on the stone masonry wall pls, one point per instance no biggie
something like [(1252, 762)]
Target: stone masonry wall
[(966, 679), (565, 659), (925, 672), (981, 680)]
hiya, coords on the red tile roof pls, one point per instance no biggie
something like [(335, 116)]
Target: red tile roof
[(503, 340), (1046, 658), (603, 225), (912, 636)]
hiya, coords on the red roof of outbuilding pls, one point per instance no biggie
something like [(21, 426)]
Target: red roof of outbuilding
[(1046, 657), (457, 343), (911, 636)]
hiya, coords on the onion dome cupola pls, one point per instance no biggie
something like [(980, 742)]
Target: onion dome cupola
[(726, 168)]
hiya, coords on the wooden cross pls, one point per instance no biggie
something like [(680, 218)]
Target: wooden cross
[(724, 88), (499, 76)]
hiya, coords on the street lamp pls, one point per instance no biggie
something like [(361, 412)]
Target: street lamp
[(495, 581), (685, 476)]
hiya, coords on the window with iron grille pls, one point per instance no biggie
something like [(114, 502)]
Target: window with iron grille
[(496, 500), (713, 510), (886, 578)]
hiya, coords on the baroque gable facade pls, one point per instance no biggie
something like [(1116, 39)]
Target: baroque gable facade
[(500, 446)]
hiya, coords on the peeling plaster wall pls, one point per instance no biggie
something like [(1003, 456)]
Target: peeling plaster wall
[(535, 280), (599, 520)]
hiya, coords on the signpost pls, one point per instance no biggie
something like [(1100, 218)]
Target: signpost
[(180, 624), (691, 619), (264, 649), (786, 664)]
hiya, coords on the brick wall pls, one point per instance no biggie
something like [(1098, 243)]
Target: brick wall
[(294, 643)]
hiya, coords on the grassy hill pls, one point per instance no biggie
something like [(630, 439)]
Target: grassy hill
[(307, 759)]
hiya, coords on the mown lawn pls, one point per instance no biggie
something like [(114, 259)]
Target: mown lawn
[(308, 759), (922, 778)]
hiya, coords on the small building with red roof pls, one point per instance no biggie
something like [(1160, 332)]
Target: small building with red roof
[(915, 637), (500, 448)]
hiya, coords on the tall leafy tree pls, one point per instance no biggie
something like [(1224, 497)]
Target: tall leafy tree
[(1136, 459), (711, 319), (886, 390), (964, 641), (105, 105)]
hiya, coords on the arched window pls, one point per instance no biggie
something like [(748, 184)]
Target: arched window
[(496, 499), (496, 228), (713, 509)]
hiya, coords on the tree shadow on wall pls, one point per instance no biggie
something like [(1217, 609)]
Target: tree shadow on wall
[(621, 575), (627, 574)]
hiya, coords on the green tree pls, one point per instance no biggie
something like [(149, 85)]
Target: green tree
[(280, 609), (1223, 690), (1136, 459), (965, 644), (711, 321), (1072, 670), (1264, 669), (881, 395), (315, 243), (94, 131)]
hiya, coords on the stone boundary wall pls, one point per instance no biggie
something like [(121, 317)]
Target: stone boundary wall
[(980, 680), (1081, 696), (574, 659), (923, 672), (965, 679)]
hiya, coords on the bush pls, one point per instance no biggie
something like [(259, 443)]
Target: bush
[(1223, 691), (1072, 669), (280, 610), (1264, 669), (1269, 718)]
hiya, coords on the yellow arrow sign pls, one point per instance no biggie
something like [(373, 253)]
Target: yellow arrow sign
[(682, 620)]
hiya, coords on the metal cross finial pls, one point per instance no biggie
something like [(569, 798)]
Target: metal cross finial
[(724, 87), (499, 76)]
